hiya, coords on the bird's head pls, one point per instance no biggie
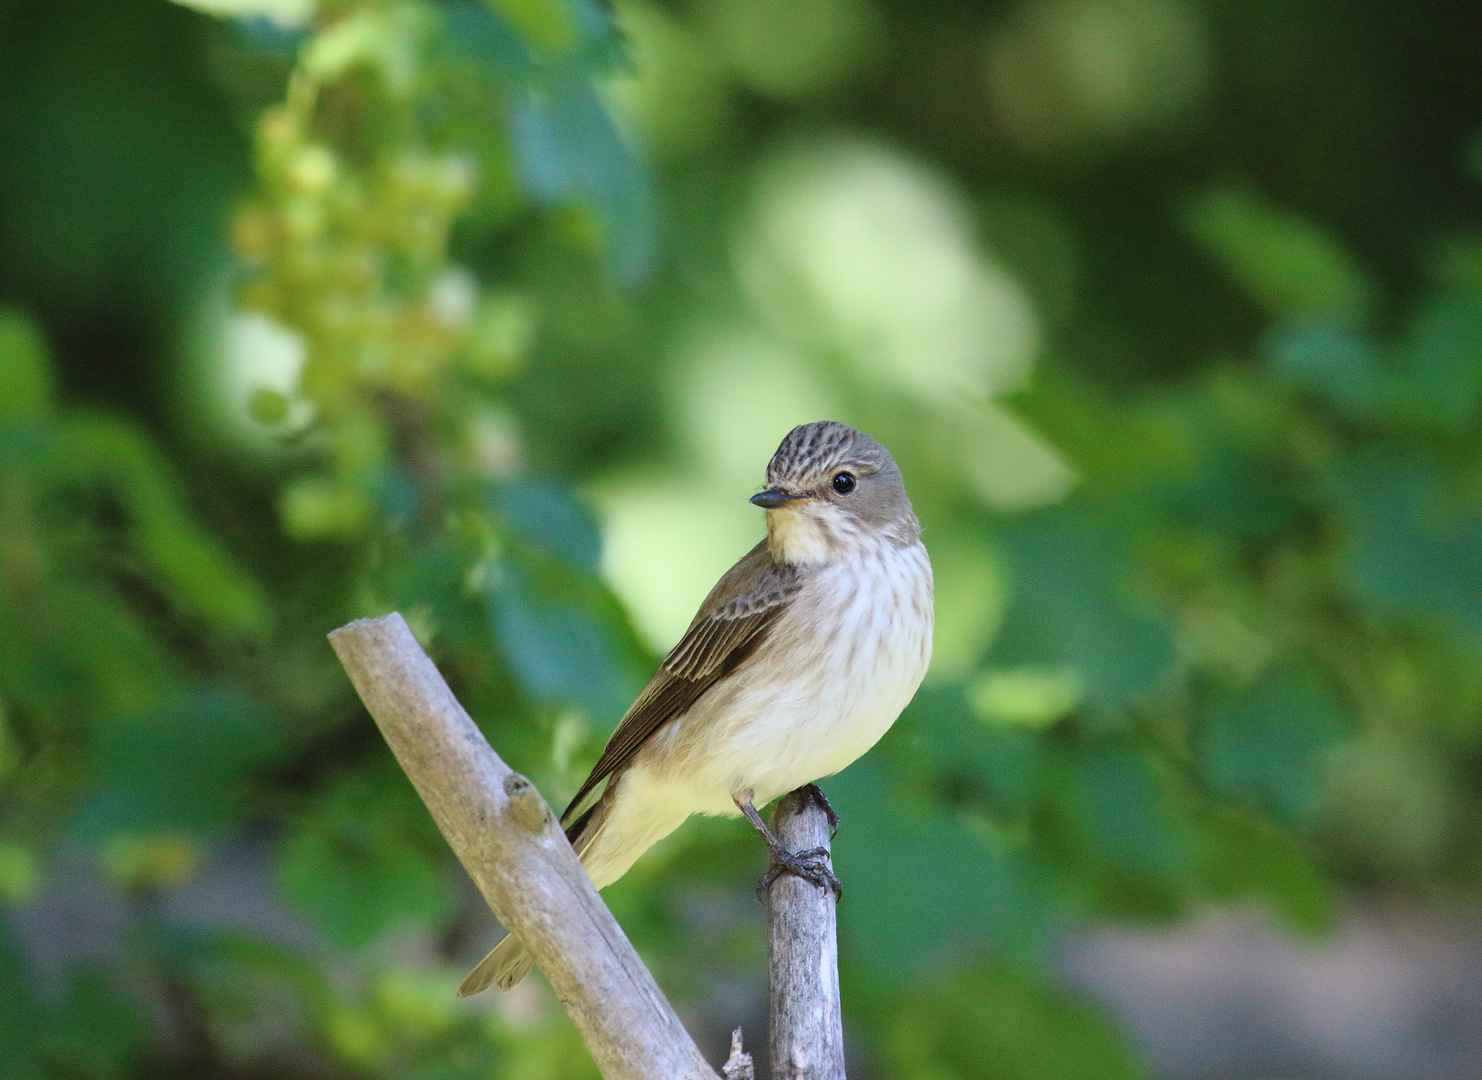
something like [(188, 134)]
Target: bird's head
[(833, 493)]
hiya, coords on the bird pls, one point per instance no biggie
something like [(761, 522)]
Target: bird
[(800, 658)]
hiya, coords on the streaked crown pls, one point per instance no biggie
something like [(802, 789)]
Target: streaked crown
[(811, 452)]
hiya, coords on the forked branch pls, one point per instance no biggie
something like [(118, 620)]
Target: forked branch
[(510, 843), (512, 846)]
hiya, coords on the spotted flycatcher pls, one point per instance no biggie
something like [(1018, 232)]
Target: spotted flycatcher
[(800, 658)]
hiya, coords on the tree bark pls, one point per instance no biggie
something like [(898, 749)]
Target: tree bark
[(807, 1018), (512, 846)]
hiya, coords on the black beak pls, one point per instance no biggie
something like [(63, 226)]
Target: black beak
[(772, 498)]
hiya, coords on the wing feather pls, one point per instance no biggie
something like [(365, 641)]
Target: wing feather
[(731, 624)]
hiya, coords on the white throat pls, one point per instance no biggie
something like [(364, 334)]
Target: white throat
[(810, 534)]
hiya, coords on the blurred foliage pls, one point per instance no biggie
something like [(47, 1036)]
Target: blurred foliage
[(492, 312)]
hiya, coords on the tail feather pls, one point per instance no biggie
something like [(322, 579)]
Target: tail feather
[(506, 964)]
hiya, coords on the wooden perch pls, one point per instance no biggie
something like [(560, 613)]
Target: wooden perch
[(510, 843), (807, 1020)]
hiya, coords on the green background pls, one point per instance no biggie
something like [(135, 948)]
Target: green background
[(1171, 312)]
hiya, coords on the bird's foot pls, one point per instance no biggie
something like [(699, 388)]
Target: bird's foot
[(811, 865), (815, 793)]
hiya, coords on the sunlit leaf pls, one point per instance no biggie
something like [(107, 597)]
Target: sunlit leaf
[(25, 369), (282, 12), (1294, 268)]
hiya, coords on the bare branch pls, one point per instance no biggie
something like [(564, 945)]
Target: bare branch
[(807, 1019), (511, 845), (738, 1066)]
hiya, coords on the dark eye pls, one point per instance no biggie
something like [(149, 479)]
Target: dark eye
[(843, 483)]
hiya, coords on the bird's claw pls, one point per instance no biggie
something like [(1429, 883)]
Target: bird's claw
[(811, 865), (815, 793)]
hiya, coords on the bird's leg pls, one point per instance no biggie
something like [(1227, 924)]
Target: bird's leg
[(814, 792), (810, 865)]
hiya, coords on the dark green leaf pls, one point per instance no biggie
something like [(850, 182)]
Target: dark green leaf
[(557, 638), (550, 517), (1270, 743), (184, 764), (361, 865), (1073, 603), (925, 886), (1412, 550), (98, 1031), (19, 1053), (1122, 808), (1000, 1024), (1438, 376)]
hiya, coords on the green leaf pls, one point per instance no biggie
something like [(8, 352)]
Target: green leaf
[(1027, 696), (1438, 376), (109, 455), (1432, 381), (548, 516), (1243, 854), (1331, 359), (25, 369), (19, 1052), (1412, 550), (267, 407), (1269, 744), (557, 633), (179, 765), (1293, 268), (568, 148), (1073, 605), (88, 651), (941, 736), (998, 1023), (361, 866), (550, 25), (1235, 492), (98, 1032), (1123, 811), (925, 886)]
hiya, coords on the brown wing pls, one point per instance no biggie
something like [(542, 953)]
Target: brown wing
[(732, 622)]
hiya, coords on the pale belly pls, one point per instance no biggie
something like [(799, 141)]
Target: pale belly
[(808, 703)]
